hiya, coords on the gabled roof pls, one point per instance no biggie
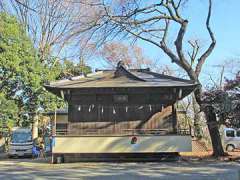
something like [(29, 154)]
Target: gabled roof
[(58, 112), (121, 77)]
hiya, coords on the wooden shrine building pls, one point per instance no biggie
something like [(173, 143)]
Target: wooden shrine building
[(121, 111)]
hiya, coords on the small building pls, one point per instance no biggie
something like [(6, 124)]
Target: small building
[(59, 121), (122, 111)]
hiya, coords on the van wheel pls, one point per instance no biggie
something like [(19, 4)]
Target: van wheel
[(230, 148)]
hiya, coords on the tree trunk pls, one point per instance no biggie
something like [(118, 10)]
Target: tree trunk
[(212, 124), (214, 131), (35, 127)]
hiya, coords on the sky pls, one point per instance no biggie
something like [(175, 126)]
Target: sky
[(225, 23)]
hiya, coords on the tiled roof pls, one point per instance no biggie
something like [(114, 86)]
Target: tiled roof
[(121, 77)]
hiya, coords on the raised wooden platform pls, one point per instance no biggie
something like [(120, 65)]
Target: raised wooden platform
[(114, 157)]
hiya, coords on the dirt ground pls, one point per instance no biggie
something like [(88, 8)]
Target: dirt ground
[(181, 170), (205, 155), (191, 166)]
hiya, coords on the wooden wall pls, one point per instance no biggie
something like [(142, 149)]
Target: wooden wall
[(158, 121), (121, 113)]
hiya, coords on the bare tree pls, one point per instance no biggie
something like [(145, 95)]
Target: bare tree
[(227, 69), (151, 22), (131, 55), (55, 26), (47, 23)]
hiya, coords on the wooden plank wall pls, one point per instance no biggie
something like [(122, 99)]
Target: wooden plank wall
[(118, 120)]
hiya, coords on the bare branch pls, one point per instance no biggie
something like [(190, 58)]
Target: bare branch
[(166, 31), (173, 15), (25, 5), (195, 49), (204, 56), (179, 40), (176, 7)]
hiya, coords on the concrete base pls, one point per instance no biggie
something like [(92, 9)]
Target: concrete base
[(121, 144)]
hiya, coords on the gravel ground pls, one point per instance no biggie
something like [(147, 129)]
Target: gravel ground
[(186, 170)]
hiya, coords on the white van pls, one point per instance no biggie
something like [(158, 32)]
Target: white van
[(21, 142), (231, 139)]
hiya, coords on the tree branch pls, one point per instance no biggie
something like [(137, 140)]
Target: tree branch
[(195, 48), (25, 5), (204, 56), (179, 40)]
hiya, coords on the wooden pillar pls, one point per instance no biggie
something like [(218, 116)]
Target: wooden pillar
[(54, 123), (174, 118), (53, 135)]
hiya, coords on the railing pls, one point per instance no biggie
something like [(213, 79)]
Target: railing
[(101, 132), (146, 131), (184, 131), (123, 132), (61, 131)]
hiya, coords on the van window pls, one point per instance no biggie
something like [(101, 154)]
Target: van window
[(238, 133), (230, 133)]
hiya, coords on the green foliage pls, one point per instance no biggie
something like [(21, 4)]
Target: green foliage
[(22, 75), (8, 112), (69, 69)]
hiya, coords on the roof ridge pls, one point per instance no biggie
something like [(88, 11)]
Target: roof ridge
[(122, 71)]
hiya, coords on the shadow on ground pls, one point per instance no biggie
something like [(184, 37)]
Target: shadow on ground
[(41, 169)]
